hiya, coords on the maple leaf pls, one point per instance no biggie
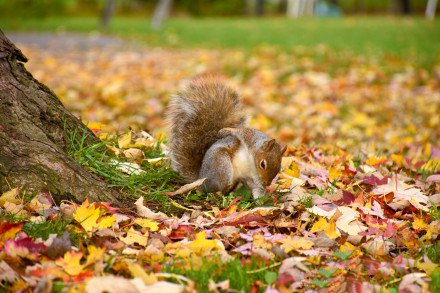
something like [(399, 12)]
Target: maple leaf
[(10, 196), (374, 161), (147, 223), (334, 174), (348, 223), (329, 228), (87, 215), (134, 236), (124, 141), (201, 245), (138, 272), (260, 242), (295, 243), (23, 247), (71, 263), (95, 254), (404, 195), (419, 223), (9, 230)]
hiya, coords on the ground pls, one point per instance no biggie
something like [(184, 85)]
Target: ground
[(354, 208)]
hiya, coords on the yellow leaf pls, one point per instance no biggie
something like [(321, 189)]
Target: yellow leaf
[(331, 231), (295, 243), (398, 159), (87, 215), (103, 136), (143, 142), (319, 226), (124, 141), (114, 150), (428, 267), (260, 242), (328, 228), (178, 250), (10, 196), (202, 245), (147, 223), (138, 272), (373, 160), (95, 126), (95, 253), (427, 150), (293, 170), (106, 221), (134, 236), (347, 247), (419, 224), (334, 173), (71, 263)]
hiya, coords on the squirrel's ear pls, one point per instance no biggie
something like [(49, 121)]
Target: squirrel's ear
[(268, 145), (283, 148)]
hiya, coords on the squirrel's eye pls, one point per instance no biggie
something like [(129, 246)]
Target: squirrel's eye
[(263, 164)]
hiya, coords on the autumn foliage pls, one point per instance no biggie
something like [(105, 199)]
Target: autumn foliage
[(354, 209)]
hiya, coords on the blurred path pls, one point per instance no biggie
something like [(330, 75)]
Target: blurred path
[(60, 42)]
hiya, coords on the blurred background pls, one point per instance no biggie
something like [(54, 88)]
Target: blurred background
[(361, 75)]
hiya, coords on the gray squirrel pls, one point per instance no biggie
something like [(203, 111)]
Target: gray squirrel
[(209, 139)]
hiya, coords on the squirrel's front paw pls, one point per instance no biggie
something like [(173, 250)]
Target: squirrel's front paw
[(258, 192)]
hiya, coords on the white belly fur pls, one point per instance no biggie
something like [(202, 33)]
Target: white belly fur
[(243, 164)]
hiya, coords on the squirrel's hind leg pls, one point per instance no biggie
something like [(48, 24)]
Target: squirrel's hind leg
[(217, 169)]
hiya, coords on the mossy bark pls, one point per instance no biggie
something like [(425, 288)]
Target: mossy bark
[(34, 127)]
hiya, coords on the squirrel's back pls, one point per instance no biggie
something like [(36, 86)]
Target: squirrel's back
[(196, 115)]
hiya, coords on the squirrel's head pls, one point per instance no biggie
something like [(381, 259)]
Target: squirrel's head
[(268, 160)]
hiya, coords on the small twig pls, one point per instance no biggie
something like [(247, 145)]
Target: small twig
[(263, 269)]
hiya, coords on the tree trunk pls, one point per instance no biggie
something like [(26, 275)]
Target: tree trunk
[(107, 13), (259, 7), (33, 137), (161, 13), (430, 9)]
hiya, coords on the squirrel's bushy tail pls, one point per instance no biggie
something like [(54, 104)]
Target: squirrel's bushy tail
[(195, 116)]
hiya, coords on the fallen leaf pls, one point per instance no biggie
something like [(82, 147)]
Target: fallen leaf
[(134, 236), (187, 187), (295, 243), (124, 141)]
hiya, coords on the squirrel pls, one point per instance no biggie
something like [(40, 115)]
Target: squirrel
[(209, 139)]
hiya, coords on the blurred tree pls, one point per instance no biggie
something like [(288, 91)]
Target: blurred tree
[(430, 9), (34, 137), (401, 6), (259, 7), (107, 12), (161, 12), (405, 6)]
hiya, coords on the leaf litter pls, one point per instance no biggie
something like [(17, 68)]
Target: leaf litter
[(355, 207)]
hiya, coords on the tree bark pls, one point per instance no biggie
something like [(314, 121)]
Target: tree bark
[(161, 13), (107, 13), (34, 127), (430, 9)]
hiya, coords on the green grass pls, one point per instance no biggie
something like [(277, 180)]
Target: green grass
[(412, 37), (241, 275), (44, 229), (307, 201), (151, 184)]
